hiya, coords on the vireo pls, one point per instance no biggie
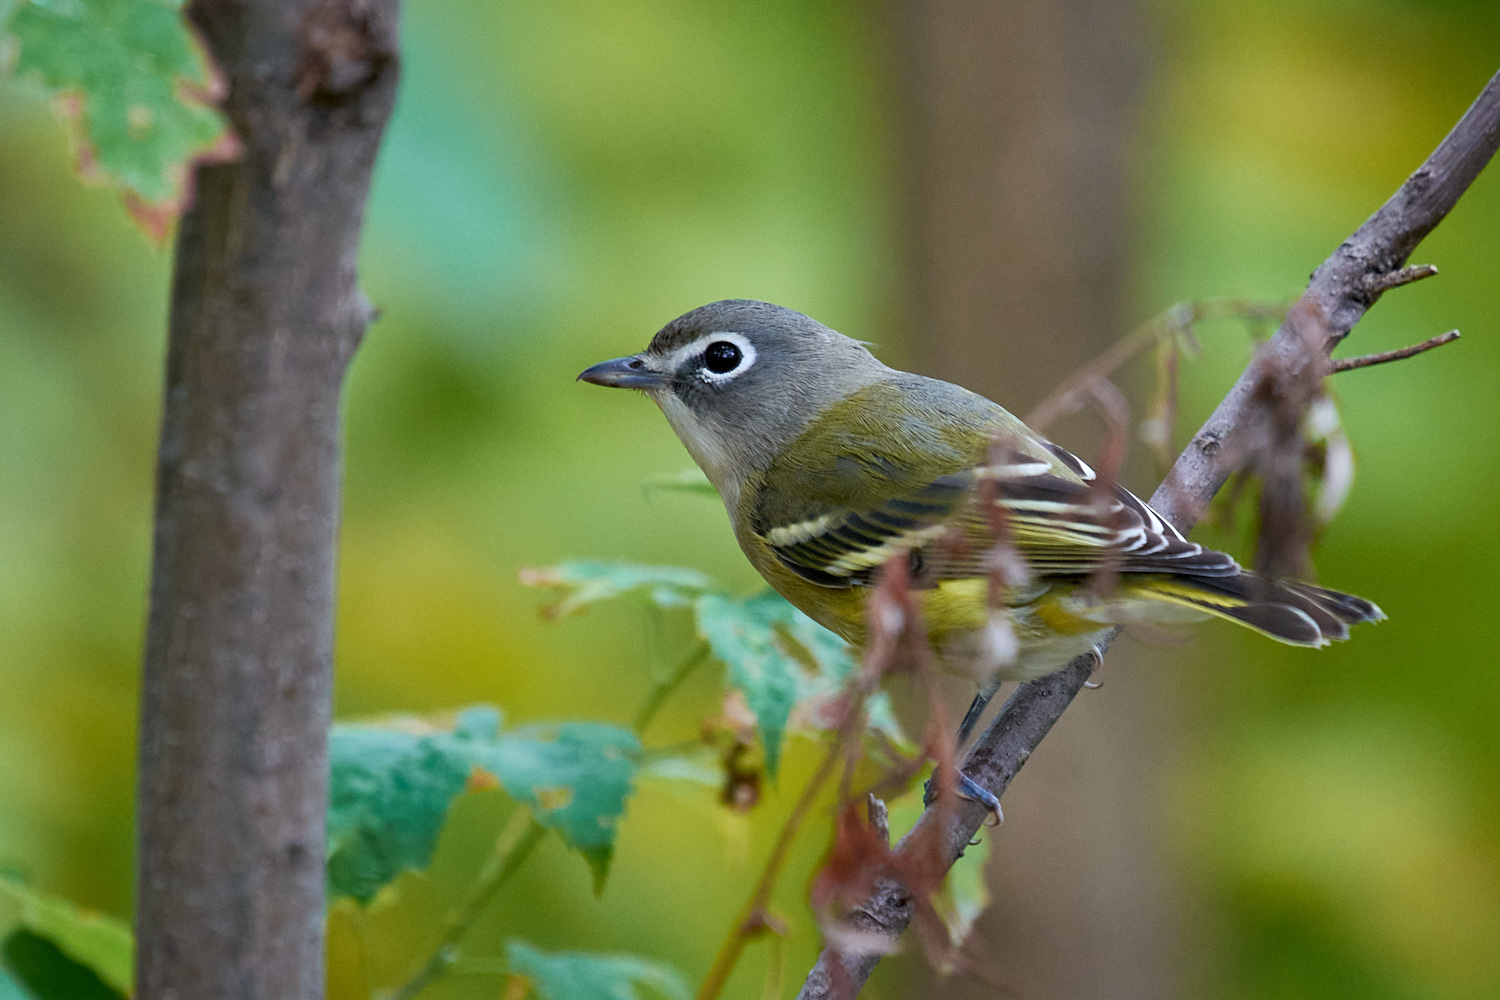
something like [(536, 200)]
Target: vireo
[(830, 464)]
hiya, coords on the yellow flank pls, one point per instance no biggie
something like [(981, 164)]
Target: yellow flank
[(953, 607), (1051, 613), (957, 606)]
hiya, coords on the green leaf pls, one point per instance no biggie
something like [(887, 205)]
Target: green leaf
[(576, 776), (576, 975), (127, 67), (776, 655), (831, 655), (49, 973), (10, 989), (389, 792), (393, 784), (835, 663), (769, 647), (699, 765), (687, 481), (744, 635), (588, 581), (92, 940), (881, 717)]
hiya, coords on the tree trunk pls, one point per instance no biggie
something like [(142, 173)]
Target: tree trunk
[(265, 317), (1020, 119)]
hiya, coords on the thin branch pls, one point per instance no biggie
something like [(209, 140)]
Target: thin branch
[(512, 847), (1072, 394), (1366, 360), (1378, 283), (663, 689), (891, 617), (879, 816), (1337, 296), (753, 919)]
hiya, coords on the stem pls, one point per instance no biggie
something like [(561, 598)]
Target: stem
[(1072, 394), (663, 689), (512, 847), (1400, 276), (751, 919), (1366, 360), (775, 969)]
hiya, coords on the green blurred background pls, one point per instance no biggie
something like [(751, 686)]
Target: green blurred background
[(562, 178)]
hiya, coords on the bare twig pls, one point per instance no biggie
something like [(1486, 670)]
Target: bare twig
[(662, 689), (512, 848), (1338, 295), (1377, 283), (879, 816), (1174, 324), (890, 624), (753, 919), (1366, 360)]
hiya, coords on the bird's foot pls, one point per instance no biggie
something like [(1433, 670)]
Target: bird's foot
[(972, 790), (969, 789)]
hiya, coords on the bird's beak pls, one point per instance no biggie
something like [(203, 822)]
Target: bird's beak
[(624, 373)]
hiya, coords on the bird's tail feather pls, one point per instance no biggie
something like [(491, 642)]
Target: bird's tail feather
[(1299, 614)]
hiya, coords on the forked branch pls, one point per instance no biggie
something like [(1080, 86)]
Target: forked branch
[(1369, 263)]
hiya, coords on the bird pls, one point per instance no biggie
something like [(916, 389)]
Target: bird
[(831, 464)]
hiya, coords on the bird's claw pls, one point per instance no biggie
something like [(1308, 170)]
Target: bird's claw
[(969, 789), (1098, 657)]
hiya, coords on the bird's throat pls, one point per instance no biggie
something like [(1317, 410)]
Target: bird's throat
[(706, 445)]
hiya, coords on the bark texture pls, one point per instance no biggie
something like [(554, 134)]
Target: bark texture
[(1339, 293), (1021, 118), (265, 316)]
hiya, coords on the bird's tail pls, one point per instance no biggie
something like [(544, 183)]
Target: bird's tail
[(1299, 614)]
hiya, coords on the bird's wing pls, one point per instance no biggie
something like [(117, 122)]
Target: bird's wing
[(910, 477), (842, 547), (884, 471), (1068, 527)]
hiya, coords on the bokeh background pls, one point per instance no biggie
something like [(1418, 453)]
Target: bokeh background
[(1224, 819)]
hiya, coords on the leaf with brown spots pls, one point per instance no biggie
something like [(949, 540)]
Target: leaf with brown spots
[(136, 90)]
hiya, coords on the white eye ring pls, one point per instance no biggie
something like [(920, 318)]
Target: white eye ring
[(739, 340)]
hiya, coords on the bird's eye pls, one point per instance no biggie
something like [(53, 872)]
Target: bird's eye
[(722, 357)]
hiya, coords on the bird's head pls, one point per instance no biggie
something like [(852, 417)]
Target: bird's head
[(739, 380)]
